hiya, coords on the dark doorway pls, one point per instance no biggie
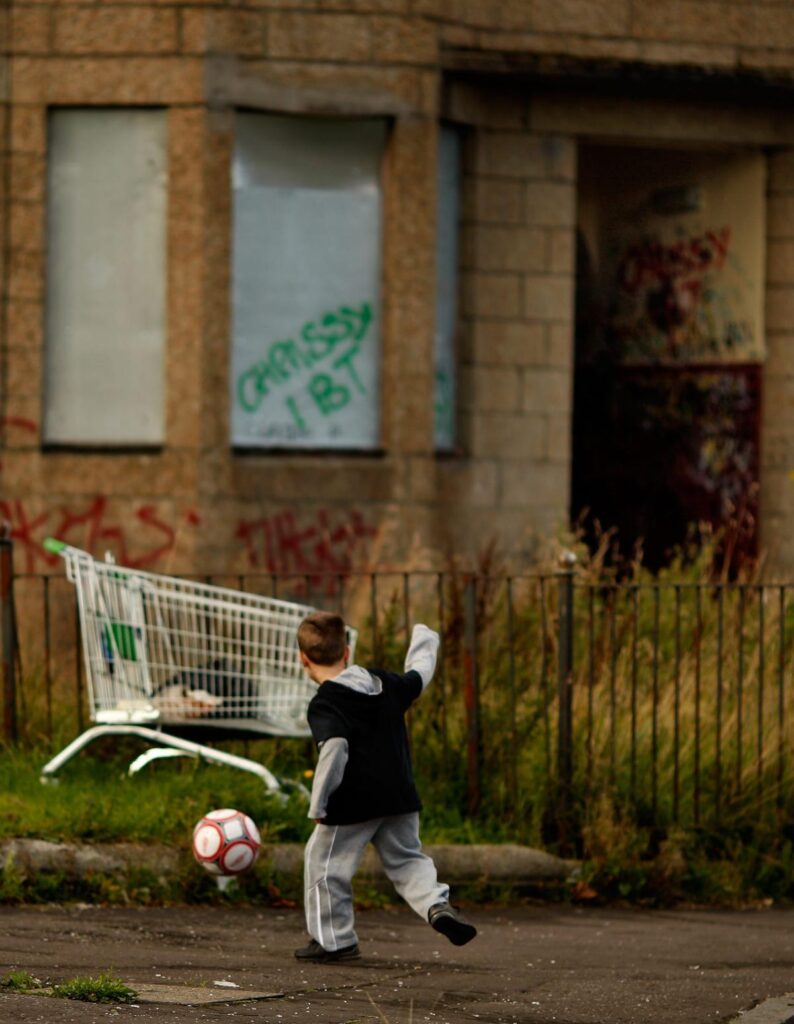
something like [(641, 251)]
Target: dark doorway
[(668, 350)]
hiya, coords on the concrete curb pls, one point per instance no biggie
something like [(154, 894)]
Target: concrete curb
[(506, 863)]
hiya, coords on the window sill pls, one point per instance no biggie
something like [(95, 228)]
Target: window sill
[(53, 448), (245, 452)]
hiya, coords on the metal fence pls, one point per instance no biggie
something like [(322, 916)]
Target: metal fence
[(553, 692)]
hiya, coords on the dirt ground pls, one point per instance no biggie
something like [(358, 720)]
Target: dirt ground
[(529, 964)]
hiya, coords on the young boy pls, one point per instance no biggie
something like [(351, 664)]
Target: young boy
[(363, 789)]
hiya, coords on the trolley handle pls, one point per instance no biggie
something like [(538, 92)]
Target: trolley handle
[(69, 554), (73, 556), (60, 547)]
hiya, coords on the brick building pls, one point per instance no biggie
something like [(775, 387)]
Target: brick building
[(305, 284)]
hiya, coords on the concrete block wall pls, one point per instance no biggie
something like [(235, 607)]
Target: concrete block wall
[(196, 505), (5, 170), (517, 288)]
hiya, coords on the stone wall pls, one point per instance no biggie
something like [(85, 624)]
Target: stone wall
[(703, 33), (517, 347)]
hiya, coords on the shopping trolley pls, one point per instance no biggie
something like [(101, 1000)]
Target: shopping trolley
[(163, 653)]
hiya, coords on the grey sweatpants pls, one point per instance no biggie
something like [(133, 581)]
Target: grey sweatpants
[(333, 854)]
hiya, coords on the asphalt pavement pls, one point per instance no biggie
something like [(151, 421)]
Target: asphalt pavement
[(537, 964)]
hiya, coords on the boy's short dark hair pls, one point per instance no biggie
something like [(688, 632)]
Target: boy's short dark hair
[(322, 636)]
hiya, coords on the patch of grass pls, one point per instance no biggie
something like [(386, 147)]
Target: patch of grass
[(95, 800), (736, 865), (103, 989), (19, 981)]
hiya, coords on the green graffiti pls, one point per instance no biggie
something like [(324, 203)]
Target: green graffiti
[(319, 339), (252, 386), (345, 324), (346, 361), (292, 405), (328, 395)]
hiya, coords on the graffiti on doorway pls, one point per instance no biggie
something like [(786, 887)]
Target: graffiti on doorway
[(681, 300)]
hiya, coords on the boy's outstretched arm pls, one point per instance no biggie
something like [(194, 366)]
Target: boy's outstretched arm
[(422, 652), (327, 775)]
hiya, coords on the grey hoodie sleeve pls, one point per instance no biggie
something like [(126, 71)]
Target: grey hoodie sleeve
[(422, 653), (328, 774)]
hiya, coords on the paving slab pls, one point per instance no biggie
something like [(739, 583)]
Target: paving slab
[(528, 965), (200, 995), (771, 1011)]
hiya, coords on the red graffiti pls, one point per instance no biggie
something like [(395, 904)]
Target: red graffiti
[(91, 529), (21, 422), (671, 276), (23, 531), (88, 528), (651, 262), (282, 544)]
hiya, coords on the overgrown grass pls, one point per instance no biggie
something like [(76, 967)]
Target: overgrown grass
[(682, 785)]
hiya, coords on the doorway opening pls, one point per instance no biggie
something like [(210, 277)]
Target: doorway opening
[(669, 349)]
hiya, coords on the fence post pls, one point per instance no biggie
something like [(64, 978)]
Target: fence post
[(471, 689), (8, 635), (565, 697)]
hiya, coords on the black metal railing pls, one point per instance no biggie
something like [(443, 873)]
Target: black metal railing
[(553, 691)]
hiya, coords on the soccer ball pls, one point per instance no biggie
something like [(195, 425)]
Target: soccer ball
[(226, 842)]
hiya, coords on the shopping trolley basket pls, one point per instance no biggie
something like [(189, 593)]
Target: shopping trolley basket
[(164, 653)]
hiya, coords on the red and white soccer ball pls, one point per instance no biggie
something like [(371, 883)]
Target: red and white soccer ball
[(226, 842)]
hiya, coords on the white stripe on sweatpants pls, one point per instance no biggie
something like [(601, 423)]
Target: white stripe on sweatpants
[(324, 884)]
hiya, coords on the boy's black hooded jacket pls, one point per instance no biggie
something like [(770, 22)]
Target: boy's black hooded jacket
[(378, 778)]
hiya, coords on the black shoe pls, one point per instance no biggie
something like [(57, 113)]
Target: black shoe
[(316, 954), (447, 920)]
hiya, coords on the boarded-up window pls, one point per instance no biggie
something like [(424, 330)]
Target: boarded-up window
[(106, 253), (446, 288), (306, 282)]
